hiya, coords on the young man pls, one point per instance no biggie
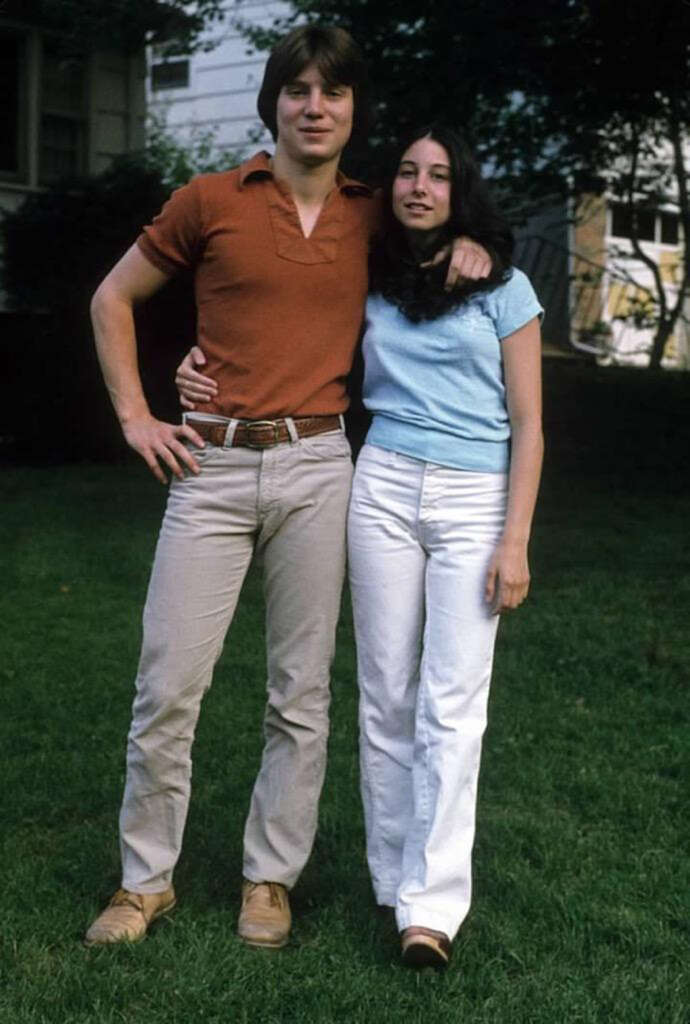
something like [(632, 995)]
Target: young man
[(278, 248)]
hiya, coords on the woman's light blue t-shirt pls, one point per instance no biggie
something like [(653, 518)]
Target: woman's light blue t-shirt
[(436, 388)]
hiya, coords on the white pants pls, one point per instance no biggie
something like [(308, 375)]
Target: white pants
[(420, 540)]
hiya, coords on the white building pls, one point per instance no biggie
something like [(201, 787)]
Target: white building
[(592, 284), (61, 117), (215, 91)]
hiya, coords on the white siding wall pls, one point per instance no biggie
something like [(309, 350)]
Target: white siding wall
[(223, 83)]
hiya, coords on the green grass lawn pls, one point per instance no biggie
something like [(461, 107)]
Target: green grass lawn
[(582, 878)]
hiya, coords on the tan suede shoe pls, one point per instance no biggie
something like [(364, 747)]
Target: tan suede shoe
[(265, 915), (423, 947), (128, 915)]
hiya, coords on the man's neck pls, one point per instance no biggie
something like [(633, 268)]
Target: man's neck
[(308, 183)]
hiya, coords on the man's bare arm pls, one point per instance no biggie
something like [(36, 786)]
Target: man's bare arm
[(132, 280)]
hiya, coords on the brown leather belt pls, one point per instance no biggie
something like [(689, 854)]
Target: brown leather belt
[(263, 433)]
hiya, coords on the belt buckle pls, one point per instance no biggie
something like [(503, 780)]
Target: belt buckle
[(261, 424)]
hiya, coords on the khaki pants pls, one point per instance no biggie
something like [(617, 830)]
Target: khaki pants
[(289, 504)]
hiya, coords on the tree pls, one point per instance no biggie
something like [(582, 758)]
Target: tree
[(566, 97), (120, 24), (175, 161), (90, 221), (49, 361)]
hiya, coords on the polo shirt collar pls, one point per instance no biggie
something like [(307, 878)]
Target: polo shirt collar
[(258, 168)]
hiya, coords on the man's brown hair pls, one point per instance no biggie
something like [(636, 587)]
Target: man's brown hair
[(338, 58)]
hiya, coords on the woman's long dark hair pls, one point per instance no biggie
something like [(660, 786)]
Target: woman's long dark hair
[(417, 291)]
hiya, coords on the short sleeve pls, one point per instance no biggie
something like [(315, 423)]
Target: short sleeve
[(513, 304), (173, 241)]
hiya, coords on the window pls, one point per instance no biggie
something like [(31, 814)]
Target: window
[(652, 225), (621, 221), (62, 147), (170, 74), (645, 222), (11, 90), (669, 228)]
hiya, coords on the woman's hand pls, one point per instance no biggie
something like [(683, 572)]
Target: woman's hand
[(507, 580), (192, 386)]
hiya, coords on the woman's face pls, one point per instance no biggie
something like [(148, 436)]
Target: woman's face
[(421, 189)]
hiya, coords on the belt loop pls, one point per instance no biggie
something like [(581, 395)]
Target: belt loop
[(291, 429), (230, 433), (342, 422)]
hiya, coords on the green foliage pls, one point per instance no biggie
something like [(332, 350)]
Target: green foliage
[(90, 221), (120, 24), (547, 90), (60, 242), (558, 96), (57, 247), (177, 162)]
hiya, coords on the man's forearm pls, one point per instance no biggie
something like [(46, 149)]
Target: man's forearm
[(160, 444), (112, 317)]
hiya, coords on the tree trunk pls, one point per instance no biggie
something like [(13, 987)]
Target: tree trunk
[(664, 331)]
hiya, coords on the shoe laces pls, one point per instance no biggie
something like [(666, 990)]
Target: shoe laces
[(123, 898), (275, 892)]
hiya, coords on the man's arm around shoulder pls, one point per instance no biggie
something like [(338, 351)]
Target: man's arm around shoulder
[(132, 280)]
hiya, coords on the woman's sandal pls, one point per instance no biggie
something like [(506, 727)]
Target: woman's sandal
[(422, 947)]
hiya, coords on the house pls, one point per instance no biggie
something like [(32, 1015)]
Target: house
[(624, 289), (214, 91), (62, 116), (595, 289)]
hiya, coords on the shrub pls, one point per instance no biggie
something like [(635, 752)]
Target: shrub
[(57, 246)]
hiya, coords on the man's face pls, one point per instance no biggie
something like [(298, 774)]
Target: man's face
[(314, 118)]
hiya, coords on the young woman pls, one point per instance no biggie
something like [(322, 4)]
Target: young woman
[(440, 516), (439, 521)]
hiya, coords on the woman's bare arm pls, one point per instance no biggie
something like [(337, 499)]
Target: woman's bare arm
[(508, 577)]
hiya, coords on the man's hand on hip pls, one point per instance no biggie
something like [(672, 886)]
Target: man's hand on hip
[(160, 444)]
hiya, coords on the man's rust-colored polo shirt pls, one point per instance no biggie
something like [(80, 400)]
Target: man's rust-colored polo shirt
[(278, 314)]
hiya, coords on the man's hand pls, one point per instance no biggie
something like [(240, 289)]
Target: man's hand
[(507, 580), (192, 386), (159, 442), (469, 262)]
